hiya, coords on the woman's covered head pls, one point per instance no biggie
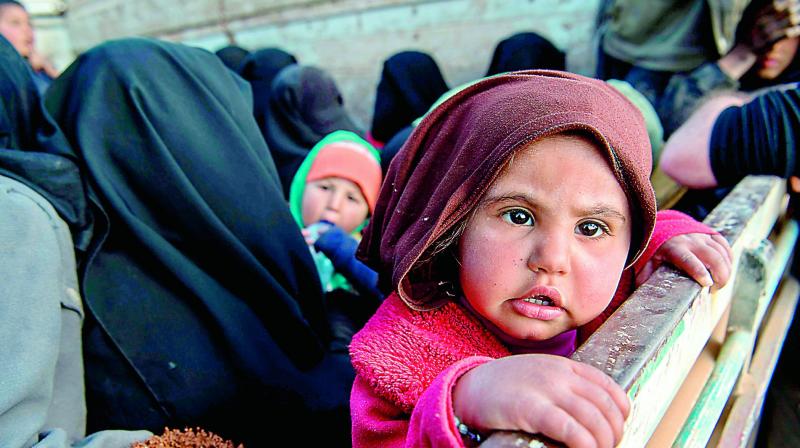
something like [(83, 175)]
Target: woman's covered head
[(552, 126)]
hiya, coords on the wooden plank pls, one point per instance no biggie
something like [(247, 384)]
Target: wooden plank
[(700, 425), (684, 401), (759, 272), (741, 421), (650, 344)]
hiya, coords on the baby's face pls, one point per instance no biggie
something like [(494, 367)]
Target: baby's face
[(334, 199), (545, 249)]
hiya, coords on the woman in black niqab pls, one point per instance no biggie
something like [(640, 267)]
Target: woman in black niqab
[(410, 83), (525, 51), (205, 308), (232, 56), (260, 68), (305, 106)]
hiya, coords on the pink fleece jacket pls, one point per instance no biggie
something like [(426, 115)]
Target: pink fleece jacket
[(407, 361)]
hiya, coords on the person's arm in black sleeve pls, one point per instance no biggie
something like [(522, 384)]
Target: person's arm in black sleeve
[(685, 157), (757, 138)]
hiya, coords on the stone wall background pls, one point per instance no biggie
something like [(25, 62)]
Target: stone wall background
[(348, 38)]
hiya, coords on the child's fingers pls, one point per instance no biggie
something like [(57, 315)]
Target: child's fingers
[(591, 418), (684, 259), (605, 418), (563, 427), (604, 381), (720, 263), (728, 251)]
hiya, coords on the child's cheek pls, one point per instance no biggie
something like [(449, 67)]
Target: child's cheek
[(599, 282)]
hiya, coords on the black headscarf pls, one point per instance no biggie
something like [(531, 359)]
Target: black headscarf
[(32, 148), (525, 51), (260, 68), (204, 300), (410, 83), (232, 56), (305, 105)]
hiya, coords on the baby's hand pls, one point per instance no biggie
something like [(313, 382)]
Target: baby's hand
[(562, 399), (706, 258)]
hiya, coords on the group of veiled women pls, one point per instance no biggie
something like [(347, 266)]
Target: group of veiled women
[(150, 253)]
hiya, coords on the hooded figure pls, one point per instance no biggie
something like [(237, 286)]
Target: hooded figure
[(260, 68), (525, 51), (410, 83), (202, 298), (305, 105), (42, 201), (232, 56)]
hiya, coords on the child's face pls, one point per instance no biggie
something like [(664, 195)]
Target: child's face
[(334, 199), (545, 249), (16, 27)]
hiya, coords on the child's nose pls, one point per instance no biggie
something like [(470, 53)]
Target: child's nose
[(335, 200), (550, 254)]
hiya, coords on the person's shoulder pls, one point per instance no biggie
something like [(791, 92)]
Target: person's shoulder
[(21, 202), (400, 351)]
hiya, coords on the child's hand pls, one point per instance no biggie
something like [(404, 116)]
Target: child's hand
[(706, 258), (562, 399), (313, 232)]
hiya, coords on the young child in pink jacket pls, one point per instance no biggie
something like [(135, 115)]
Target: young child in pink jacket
[(509, 227)]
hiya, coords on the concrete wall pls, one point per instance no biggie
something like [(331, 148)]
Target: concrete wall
[(349, 38)]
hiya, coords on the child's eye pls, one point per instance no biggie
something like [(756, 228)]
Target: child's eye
[(591, 229), (325, 187), (518, 217)]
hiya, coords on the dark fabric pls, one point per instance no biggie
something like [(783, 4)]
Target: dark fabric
[(454, 154), (757, 138), (393, 146), (410, 83), (685, 91), (232, 56), (525, 51), (33, 149), (259, 69), (650, 83), (305, 106), (204, 304), (340, 248)]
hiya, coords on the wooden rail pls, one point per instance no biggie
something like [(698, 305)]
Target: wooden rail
[(686, 355)]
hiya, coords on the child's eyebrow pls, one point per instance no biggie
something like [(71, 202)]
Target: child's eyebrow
[(594, 210), (603, 210)]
